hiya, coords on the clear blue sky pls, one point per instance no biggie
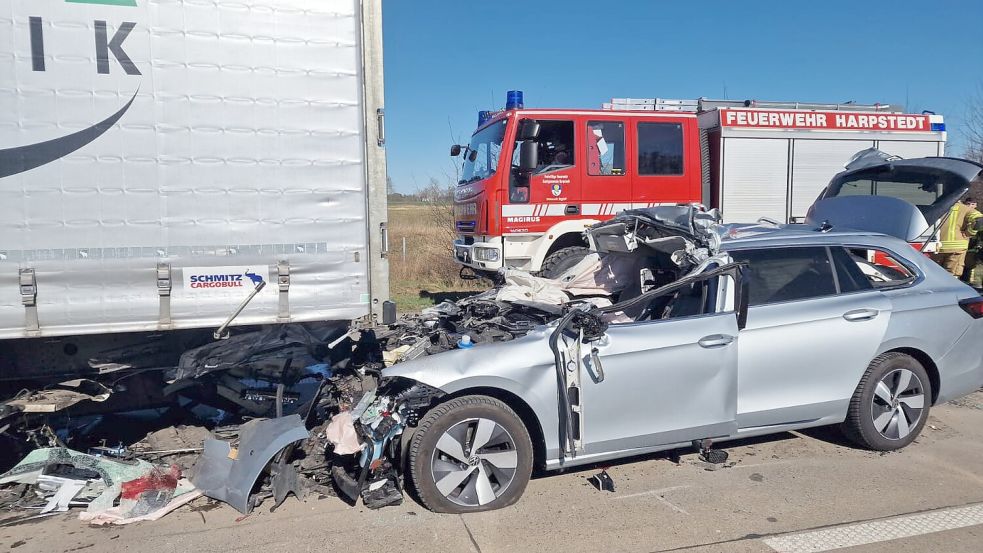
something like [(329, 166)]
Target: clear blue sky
[(446, 60)]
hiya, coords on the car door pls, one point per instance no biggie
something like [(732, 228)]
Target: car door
[(808, 340), (666, 380)]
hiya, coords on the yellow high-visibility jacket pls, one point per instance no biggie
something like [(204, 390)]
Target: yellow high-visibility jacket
[(958, 228)]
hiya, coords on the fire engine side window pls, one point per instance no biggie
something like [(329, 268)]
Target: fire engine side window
[(605, 148), (660, 149), (555, 145)]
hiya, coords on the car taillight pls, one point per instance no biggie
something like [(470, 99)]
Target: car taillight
[(973, 306)]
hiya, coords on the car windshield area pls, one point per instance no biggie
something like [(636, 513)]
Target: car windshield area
[(481, 155)]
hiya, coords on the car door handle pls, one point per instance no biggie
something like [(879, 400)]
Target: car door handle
[(715, 340), (571, 210), (860, 315)]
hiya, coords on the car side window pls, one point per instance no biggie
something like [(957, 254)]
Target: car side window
[(702, 297), (849, 275), (877, 268), (787, 274)]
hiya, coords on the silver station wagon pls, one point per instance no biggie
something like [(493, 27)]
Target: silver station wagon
[(680, 329)]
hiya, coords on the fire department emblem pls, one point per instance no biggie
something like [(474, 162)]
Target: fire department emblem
[(556, 189)]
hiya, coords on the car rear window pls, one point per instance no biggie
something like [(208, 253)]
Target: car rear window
[(878, 268), (786, 274)]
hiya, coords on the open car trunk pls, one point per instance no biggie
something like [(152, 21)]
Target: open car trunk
[(898, 197)]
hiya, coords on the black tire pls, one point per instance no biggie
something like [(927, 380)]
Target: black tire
[(562, 259), (859, 426), (460, 411)]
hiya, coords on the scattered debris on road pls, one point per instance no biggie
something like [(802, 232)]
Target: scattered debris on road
[(602, 481)]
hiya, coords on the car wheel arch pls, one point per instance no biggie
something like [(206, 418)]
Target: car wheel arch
[(927, 362), (521, 407)]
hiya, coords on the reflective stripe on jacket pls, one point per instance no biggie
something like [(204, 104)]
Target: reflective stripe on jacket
[(958, 228)]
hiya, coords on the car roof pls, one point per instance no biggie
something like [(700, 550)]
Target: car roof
[(740, 235)]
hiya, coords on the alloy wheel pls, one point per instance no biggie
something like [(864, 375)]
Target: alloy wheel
[(897, 404), (474, 462)]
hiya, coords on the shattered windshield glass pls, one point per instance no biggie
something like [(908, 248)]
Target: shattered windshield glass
[(481, 156)]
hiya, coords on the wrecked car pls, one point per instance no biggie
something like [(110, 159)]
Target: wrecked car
[(675, 330), (762, 328)]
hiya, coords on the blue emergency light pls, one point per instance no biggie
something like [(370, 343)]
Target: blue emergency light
[(484, 116), (938, 127), (513, 99)]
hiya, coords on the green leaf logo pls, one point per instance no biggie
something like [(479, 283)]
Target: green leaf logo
[(105, 2)]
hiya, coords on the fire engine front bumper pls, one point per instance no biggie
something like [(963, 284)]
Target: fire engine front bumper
[(482, 256)]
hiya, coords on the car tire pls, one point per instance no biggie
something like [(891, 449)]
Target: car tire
[(891, 403), (562, 259), (449, 476)]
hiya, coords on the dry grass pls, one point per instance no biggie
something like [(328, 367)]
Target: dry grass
[(428, 273)]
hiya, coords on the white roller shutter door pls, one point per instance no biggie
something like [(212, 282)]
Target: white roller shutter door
[(814, 162), (754, 179), (909, 149)]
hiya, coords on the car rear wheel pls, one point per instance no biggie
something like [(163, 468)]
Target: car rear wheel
[(891, 404), (470, 454)]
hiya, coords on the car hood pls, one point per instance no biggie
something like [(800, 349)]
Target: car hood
[(898, 197), (665, 229)]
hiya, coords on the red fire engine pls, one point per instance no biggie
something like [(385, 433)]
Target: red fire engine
[(533, 179)]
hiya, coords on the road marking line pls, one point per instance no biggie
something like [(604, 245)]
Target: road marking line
[(672, 505), (753, 465), (878, 531), (650, 492)]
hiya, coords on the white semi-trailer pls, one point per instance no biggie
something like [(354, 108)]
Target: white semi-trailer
[(162, 160)]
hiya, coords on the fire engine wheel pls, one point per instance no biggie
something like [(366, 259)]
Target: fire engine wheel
[(891, 404), (562, 259), (470, 454)]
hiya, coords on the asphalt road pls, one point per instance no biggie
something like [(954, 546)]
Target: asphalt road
[(793, 492)]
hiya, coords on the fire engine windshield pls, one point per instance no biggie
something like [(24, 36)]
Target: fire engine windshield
[(481, 157)]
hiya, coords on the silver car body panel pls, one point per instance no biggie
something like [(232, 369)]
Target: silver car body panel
[(795, 364)]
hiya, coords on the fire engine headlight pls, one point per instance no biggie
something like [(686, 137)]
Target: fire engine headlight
[(486, 254)]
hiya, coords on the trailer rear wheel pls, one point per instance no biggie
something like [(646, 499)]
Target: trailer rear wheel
[(561, 260)]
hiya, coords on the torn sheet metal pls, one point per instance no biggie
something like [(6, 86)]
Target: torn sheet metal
[(229, 474), (60, 396), (65, 490)]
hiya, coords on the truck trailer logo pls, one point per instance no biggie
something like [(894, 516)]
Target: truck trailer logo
[(24, 158), (201, 279)]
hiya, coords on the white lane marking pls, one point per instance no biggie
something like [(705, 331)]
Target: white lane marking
[(877, 531), (658, 495), (672, 505), (755, 465), (650, 492)]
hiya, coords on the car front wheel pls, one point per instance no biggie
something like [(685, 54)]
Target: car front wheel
[(891, 404), (472, 453)]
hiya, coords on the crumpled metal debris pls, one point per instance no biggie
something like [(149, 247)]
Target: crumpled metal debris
[(67, 477), (229, 473), (60, 396)]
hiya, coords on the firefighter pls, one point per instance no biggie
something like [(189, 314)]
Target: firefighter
[(955, 235), (971, 274)]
